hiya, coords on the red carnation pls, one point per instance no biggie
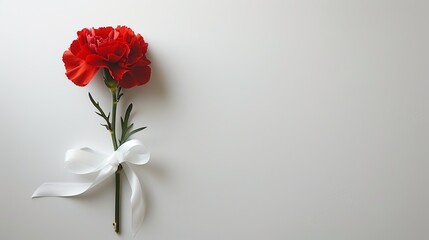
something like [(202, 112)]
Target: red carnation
[(117, 49)]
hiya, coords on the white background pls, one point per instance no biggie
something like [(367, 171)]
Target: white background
[(266, 119)]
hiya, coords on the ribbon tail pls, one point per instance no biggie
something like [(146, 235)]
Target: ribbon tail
[(71, 189), (61, 189), (137, 202)]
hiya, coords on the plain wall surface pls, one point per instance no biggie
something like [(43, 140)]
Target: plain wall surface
[(266, 120)]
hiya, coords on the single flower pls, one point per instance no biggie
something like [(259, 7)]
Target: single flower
[(122, 56)]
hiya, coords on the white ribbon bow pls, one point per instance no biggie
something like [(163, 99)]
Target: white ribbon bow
[(86, 160)]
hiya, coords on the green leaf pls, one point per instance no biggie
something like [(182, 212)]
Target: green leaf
[(128, 113), (130, 127), (92, 100), (119, 94), (100, 112), (133, 132)]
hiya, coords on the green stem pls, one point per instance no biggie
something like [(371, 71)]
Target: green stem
[(116, 225), (115, 91), (117, 173), (113, 130)]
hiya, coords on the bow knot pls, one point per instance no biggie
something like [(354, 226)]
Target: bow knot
[(86, 160), (115, 159)]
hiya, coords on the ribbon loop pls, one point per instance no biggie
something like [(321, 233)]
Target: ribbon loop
[(86, 160)]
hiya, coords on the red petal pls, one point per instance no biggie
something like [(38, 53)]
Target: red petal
[(103, 31), (96, 60), (77, 70), (75, 47), (116, 71), (138, 75), (138, 49)]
